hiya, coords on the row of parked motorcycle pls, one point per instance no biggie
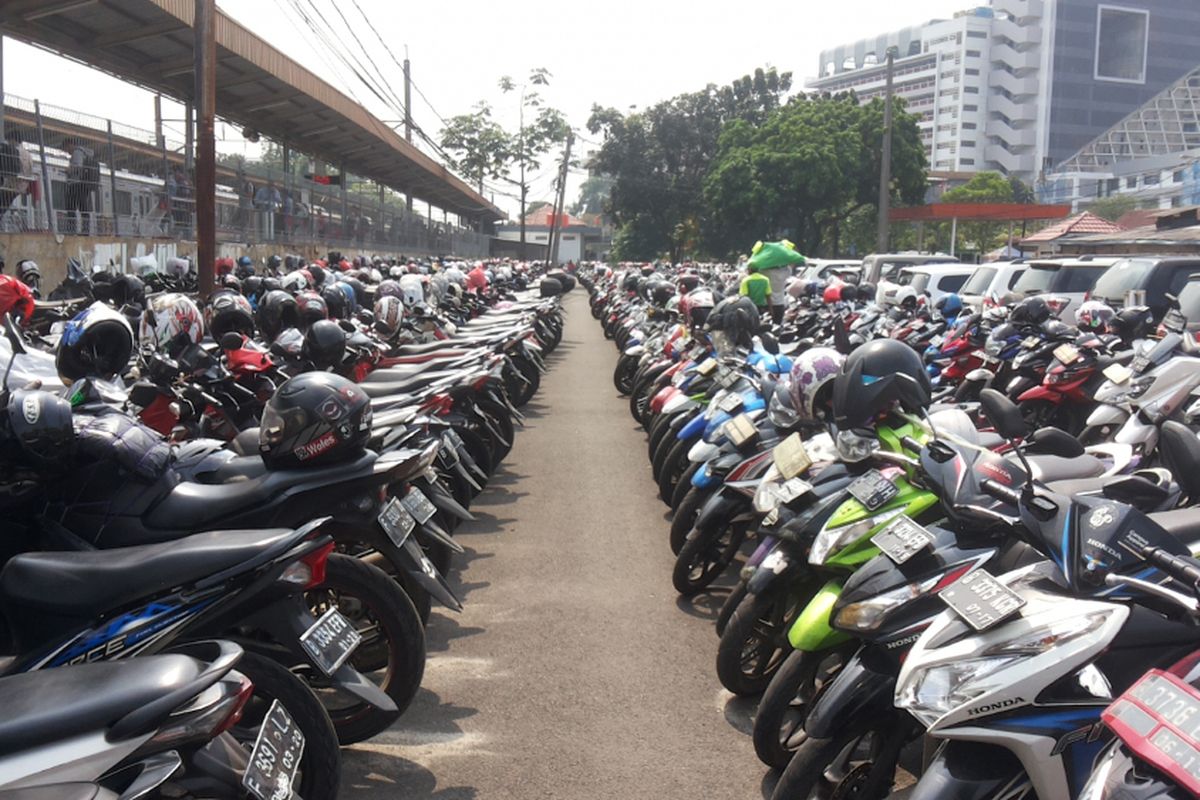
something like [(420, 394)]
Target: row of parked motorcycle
[(958, 541), (227, 520)]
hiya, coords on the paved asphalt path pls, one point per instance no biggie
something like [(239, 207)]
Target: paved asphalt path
[(574, 671)]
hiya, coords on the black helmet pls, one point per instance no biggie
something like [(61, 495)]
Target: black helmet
[(314, 418), (849, 293), (1030, 311), (361, 296), (277, 311), (324, 344), (245, 267), (273, 264), (736, 316), (252, 287), (866, 292), (1134, 322), (271, 283), (318, 275), (335, 302), (128, 290), (41, 424), (229, 312), (550, 287), (631, 282), (311, 307), (96, 343), (873, 378), (661, 292)]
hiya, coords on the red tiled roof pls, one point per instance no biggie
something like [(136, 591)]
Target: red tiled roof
[(542, 217), (1087, 222), (1138, 218)]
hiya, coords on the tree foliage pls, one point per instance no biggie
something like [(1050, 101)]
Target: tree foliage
[(807, 169), (658, 158), (1114, 207), (984, 187)]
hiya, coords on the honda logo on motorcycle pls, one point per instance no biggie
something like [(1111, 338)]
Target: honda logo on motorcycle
[(999, 705)]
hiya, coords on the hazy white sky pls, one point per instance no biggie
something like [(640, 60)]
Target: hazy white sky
[(618, 53)]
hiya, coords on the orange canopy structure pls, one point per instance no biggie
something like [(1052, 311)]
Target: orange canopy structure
[(992, 212)]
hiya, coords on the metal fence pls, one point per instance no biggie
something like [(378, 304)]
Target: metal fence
[(68, 172)]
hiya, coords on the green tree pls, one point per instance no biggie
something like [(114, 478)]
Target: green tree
[(658, 159), (1113, 208), (479, 145), (593, 195), (807, 171), (984, 187)]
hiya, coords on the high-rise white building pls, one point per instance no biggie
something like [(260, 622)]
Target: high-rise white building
[(1018, 86)]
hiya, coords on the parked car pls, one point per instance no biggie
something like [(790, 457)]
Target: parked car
[(931, 280), (990, 282), (884, 266), (1151, 277), (1066, 281), (823, 269)]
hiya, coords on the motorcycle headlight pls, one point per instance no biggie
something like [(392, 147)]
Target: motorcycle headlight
[(869, 614), (932, 692), (831, 540), (781, 416), (1115, 394), (712, 410), (853, 446)]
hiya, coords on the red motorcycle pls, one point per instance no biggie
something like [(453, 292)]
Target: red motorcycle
[(1064, 397)]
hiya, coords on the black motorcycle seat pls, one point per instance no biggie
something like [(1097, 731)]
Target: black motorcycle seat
[(89, 583), (55, 705), (191, 505), (242, 468), (1048, 468), (1182, 523), (405, 385)]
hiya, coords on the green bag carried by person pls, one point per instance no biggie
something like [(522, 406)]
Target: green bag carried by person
[(772, 255)]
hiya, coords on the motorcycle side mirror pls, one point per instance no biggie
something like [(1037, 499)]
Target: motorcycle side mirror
[(1172, 300), (232, 340), (1003, 414), (347, 325)]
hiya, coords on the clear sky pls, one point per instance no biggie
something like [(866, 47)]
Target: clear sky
[(617, 53)]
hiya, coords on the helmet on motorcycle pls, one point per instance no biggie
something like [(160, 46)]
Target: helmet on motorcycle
[(412, 292), (849, 293), (660, 292), (550, 287), (252, 287), (245, 267), (389, 313), (832, 293), (294, 281), (41, 423), (319, 275), (949, 306), (29, 273), (96, 343), (359, 289), (128, 290), (230, 282), (171, 323), (271, 284), (314, 418), (1030, 311), (1134, 322), (177, 268), (324, 344), (812, 377), (335, 302), (311, 307), (143, 266), (631, 282), (277, 311), (687, 282), (389, 288), (874, 378), (735, 317), (1094, 315), (229, 312), (906, 297), (15, 298), (796, 288), (273, 264), (224, 266), (454, 295)]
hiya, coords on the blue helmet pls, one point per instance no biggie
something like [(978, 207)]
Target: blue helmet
[(949, 306)]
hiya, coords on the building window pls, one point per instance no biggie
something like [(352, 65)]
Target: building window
[(971, 71), (1177, 176), (1121, 35), (968, 126), (974, 54), (1131, 182), (1114, 184), (966, 162), (1151, 179), (976, 34), (971, 89), (970, 108), (968, 143)]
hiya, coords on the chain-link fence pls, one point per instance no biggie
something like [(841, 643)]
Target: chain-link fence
[(68, 172)]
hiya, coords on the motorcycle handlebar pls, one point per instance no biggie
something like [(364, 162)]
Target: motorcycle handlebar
[(1000, 492), (1185, 571)]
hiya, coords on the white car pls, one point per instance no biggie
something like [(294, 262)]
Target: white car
[(1063, 282), (990, 282), (931, 280)]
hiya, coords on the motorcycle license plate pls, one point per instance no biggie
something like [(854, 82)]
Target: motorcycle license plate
[(730, 403), (396, 522), (1174, 321), (706, 366), (728, 379), (1067, 353), (1117, 373), (981, 600), (790, 457), (873, 490), (791, 489), (936, 341), (1159, 719), (330, 641), (1031, 342), (417, 504), (902, 539), (275, 759), (453, 438), (1139, 364), (739, 430)]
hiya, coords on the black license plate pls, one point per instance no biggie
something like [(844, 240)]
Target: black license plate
[(396, 522), (981, 600), (275, 759), (728, 378), (1174, 321), (902, 539), (1139, 364), (730, 403), (417, 504), (330, 641), (873, 490)]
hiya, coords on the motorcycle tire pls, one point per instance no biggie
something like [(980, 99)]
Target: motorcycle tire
[(684, 485), (519, 392), (639, 401), (705, 558), (813, 765), (779, 720), (730, 605), (393, 643), (658, 429), (321, 762), (674, 466), (480, 451), (666, 445), (754, 643), (503, 421), (685, 517), (623, 373)]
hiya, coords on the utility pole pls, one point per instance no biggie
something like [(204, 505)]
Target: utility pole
[(408, 114), (560, 200), (206, 148), (885, 166)]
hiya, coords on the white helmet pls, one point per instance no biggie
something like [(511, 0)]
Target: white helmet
[(389, 313), (143, 265), (170, 321), (294, 282), (177, 268), (412, 292)]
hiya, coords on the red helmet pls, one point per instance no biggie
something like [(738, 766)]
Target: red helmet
[(15, 298), (224, 266), (833, 292)]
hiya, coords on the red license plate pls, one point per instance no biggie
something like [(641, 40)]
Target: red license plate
[(1159, 719)]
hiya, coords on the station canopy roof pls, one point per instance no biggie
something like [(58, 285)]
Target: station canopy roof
[(150, 42)]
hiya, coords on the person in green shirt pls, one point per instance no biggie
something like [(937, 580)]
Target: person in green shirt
[(757, 287)]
